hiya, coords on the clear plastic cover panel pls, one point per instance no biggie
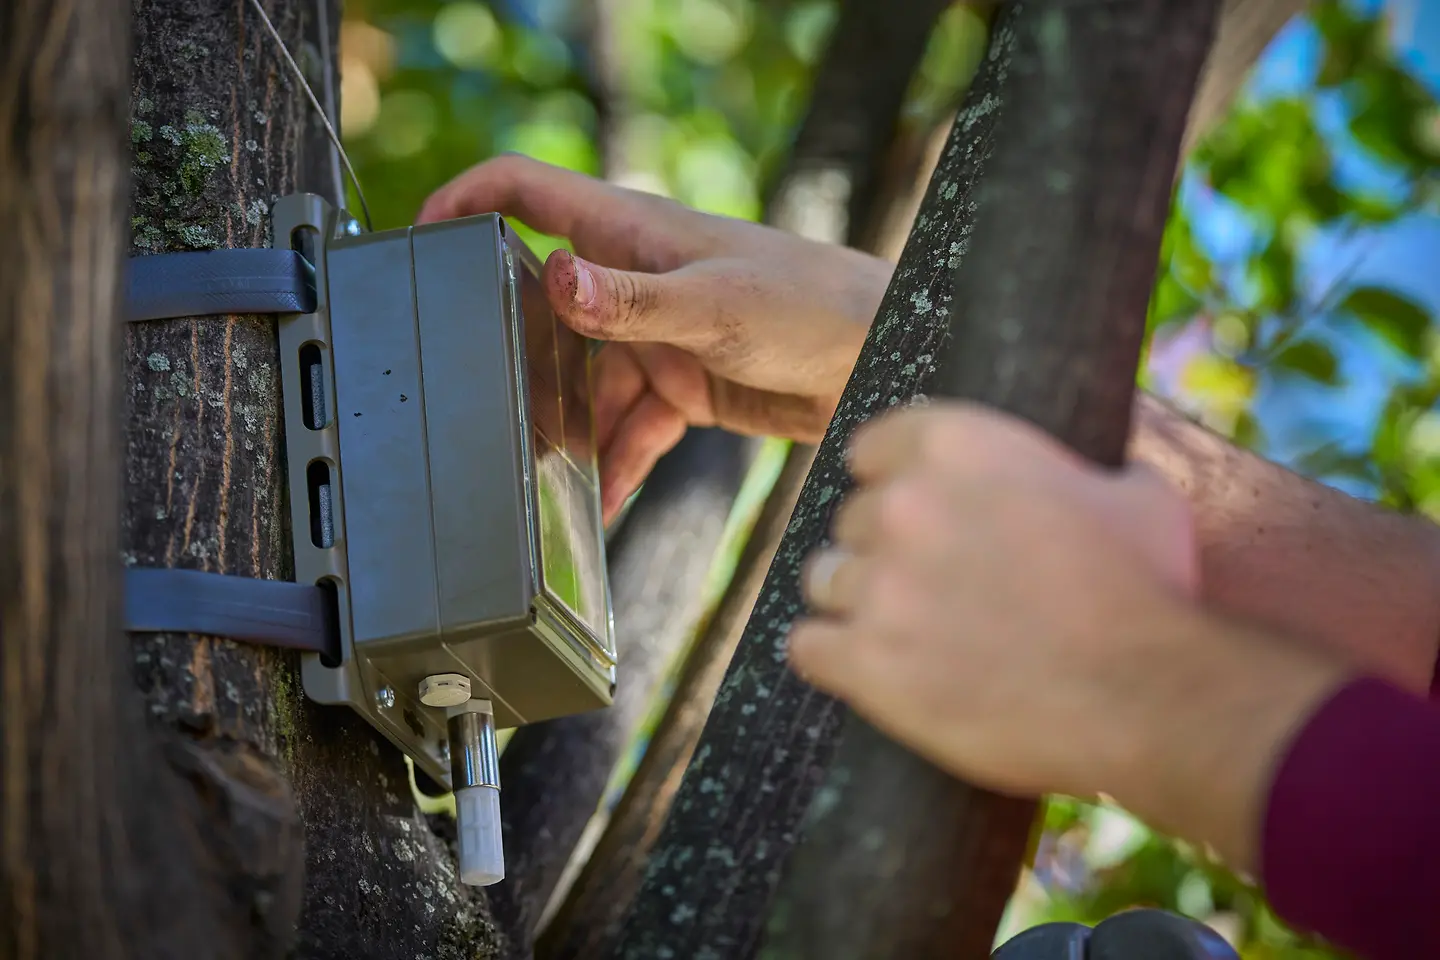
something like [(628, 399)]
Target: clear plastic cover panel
[(567, 479)]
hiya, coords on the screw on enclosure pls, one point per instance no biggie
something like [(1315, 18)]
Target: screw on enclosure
[(385, 697)]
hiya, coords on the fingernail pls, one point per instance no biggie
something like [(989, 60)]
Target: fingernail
[(584, 283)]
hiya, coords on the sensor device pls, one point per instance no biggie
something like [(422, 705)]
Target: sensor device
[(444, 494)]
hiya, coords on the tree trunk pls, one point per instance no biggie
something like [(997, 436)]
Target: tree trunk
[(1063, 248), (220, 129), (109, 850), (831, 185)]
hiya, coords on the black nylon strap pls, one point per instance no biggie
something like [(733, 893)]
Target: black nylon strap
[(211, 282), (160, 600), (273, 612)]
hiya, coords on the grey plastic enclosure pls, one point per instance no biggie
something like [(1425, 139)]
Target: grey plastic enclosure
[(443, 479)]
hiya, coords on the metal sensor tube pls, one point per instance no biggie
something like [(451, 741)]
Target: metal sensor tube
[(475, 777)]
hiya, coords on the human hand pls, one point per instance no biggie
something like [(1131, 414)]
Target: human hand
[(1029, 622), (713, 321), (991, 599)]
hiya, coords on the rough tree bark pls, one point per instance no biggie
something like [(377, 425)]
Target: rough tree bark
[(827, 191), (1061, 254), (219, 129), (118, 840), (768, 740)]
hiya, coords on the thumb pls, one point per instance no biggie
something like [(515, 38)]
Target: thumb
[(607, 304)]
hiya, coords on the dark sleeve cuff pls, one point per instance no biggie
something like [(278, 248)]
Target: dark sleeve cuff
[(1350, 847)]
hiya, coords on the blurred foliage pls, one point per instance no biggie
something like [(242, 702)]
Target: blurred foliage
[(693, 99), (1332, 168), (1262, 314)]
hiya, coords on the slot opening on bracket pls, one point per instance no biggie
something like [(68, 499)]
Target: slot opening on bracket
[(315, 408), (319, 482), (306, 242), (330, 592)]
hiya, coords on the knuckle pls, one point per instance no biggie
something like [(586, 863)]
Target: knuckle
[(510, 161), (630, 301), (947, 439), (905, 508)]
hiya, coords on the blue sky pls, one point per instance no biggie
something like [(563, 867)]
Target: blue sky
[(1405, 256)]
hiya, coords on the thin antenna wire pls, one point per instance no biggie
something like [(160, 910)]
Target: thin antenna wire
[(322, 15), (314, 102)]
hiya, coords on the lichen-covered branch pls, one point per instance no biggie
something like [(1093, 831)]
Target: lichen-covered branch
[(768, 739), (1055, 278)]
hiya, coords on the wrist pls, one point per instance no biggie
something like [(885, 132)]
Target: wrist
[(1231, 700)]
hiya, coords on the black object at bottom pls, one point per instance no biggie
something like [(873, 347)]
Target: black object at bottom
[(1132, 935)]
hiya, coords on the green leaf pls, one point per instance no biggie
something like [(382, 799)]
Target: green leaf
[(1310, 358), (1333, 460), (1272, 274), (1398, 319), (1171, 303), (1247, 433), (1349, 39)]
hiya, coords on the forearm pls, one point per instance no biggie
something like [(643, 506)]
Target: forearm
[(1321, 781), (1291, 554), (1218, 708)]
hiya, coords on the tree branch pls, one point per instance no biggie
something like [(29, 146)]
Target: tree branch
[(1055, 271), (840, 144)]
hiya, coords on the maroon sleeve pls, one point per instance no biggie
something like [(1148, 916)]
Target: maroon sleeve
[(1351, 841)]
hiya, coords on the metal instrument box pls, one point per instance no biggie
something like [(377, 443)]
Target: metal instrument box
[(443, 479)]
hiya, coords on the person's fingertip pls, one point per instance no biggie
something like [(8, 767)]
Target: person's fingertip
[(609, 505), (442, 203), (571, 283)]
